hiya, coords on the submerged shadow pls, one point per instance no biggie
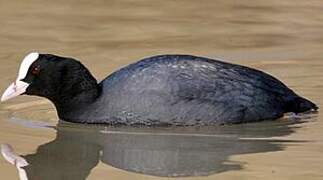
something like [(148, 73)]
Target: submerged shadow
[(167, 152)]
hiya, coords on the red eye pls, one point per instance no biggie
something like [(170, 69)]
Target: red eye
[(35, 70)]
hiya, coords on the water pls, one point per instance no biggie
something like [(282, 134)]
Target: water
[(283, 38)]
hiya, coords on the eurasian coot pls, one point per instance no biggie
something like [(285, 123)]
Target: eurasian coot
[(159, 90)]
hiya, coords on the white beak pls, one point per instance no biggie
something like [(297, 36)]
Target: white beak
[(15, 89)]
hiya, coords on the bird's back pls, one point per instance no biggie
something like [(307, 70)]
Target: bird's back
[(190, 90)]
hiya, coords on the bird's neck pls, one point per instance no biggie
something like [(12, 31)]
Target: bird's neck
[(77, 90), (79, 98)]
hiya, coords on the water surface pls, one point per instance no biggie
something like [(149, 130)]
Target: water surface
[(283, 38)]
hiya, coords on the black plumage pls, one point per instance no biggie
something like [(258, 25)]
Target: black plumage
[(163, 90)]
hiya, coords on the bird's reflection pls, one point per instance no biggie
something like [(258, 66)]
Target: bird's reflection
[(155, 151)]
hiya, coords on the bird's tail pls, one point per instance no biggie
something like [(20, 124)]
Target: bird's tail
[(298, 105)]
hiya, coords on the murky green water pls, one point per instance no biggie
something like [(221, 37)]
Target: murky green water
[(283, 38)]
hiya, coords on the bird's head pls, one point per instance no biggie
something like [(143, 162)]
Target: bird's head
[(57, 78)]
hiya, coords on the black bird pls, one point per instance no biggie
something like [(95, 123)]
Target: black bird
[(159, 90)]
